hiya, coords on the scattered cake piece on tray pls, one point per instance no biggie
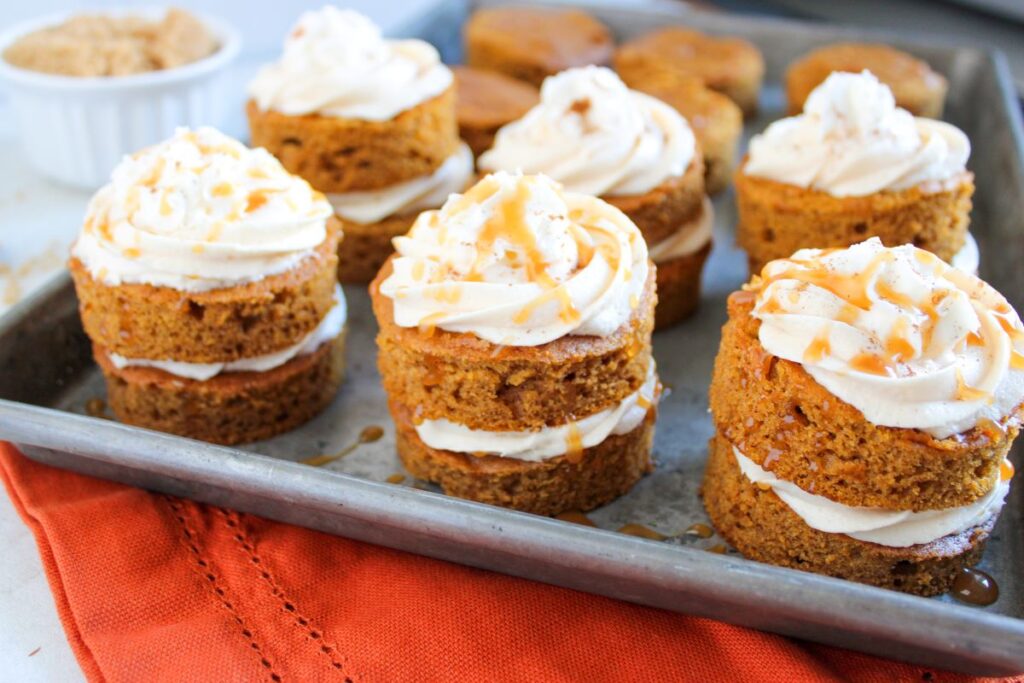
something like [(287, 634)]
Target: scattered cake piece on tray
[(205, 275), (595, 136), (916, 87), (369, 122), (514, 346), (532, 43), (865, 401), (732, 66), (854, 166), (487, 100)]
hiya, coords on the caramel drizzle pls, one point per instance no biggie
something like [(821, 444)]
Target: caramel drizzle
[(966, 393), (1005, 470), (573, 444)]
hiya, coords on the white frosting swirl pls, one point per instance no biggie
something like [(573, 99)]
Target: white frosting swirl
[(547, 442), (517, 261), (893, 528), (425, 192), (328, 328), (595, 136), (197, 212), (897, 333), (688, 239), (852, 140), (336, 63)]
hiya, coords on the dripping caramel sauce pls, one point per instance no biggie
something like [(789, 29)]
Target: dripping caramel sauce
[(367, 435), (975, 587)]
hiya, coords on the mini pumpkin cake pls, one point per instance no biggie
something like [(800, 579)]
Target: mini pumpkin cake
[(487, 100), (205, 275), (715, 119), (915, 86), (514, 346), (732, 66), (865, 400), (595, 136), (853, 166), (532, 43), (367, 121)]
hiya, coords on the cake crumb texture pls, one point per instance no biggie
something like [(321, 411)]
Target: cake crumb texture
[(762, 527)]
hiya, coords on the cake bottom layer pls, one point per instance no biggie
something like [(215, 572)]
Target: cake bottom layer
[(587, 480), (230, 408), (679, 287), (762, 527), (366, 246)]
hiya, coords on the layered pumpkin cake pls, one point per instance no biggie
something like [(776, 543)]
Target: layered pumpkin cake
[(367, 121), (716, 121), (514, 346), (487, 100), (732, 66), (915, 85), (865, 401), (851, 167), (595, 136), (532, 43), (205, 274)]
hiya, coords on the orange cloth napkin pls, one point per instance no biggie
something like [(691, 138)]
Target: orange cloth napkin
[(154, 588)]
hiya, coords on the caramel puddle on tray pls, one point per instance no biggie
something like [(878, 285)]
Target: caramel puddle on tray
[(576, 517), (368, 435), (96, 407), (975, 587), (642, 531), (699, 530), (395, 478)]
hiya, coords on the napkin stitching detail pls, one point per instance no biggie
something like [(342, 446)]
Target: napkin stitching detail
[(245, 538), (204, 568)]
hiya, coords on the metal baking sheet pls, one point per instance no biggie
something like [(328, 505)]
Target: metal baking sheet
[(47, 378)]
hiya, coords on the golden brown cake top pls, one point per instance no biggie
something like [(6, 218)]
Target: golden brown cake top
[(89, 45), (852, 140), (712, 58), (899, 334), (557, 38), (596, 136), (488, 99), (197, 212), (518, 261), (336, 63), (893, 67), (704, 109)]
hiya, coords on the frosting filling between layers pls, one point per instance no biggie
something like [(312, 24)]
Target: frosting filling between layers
[(426, 192), (852, 140), (893, 528), (595, 136), (548, 442), (968, 259), (908, 340), (328, 329), (336, 63), (690, 238), (197, 212), (517, 261)]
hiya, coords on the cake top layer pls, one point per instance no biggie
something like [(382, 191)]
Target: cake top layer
[(897, 333), (852, 140), (336, 63), (200, 211), (518, 261), (596, 136)]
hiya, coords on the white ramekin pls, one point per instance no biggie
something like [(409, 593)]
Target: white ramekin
[(75, 130)]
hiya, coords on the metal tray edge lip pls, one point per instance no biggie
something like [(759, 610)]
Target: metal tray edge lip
[(16, 314), (272, 475)]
